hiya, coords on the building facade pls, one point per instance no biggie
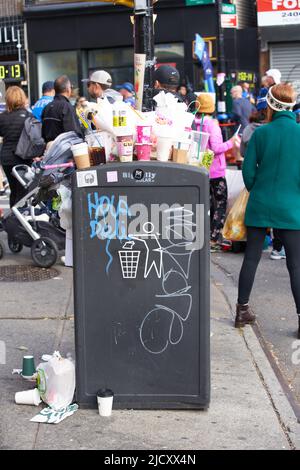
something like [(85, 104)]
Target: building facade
[(12, 44), (279, 33), (78, 37)]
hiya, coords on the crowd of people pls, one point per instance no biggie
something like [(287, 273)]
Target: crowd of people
[(267, 138)]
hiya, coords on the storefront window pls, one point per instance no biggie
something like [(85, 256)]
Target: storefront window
[(53, 64), (119, 62)]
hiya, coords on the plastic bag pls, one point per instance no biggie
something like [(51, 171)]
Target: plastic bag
[(235, 185), (65, 210), (56, 381), (234, 228)]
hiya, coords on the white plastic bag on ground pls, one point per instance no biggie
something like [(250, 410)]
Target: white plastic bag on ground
[(56, 381)]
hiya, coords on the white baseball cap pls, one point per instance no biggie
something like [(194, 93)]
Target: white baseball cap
[(100, 76), (275, 74)]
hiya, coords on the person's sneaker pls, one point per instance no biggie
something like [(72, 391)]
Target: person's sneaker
[(278, 254)]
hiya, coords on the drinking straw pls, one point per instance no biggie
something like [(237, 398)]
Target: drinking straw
[(200, 138), (238, 130)]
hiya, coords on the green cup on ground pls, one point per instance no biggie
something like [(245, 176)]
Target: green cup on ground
[(28, 366)]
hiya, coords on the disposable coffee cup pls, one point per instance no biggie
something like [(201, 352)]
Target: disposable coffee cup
[(164, 147), (125, 148), (28, 397), (105, 399), (143, 134), (143, 151), (81, 155), (28, 368)]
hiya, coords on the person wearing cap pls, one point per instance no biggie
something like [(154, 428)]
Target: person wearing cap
[(98, 83), (256, 119), (127, 91), (272, 77), (271, 172), (205, 122), (167, 79), (47, 97), (59, 116)]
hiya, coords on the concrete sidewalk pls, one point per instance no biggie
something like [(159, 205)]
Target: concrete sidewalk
[(248, 407)]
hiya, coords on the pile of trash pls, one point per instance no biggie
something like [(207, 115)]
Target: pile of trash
[(55, 386)]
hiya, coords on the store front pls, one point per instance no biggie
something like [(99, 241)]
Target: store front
[(81, 37)]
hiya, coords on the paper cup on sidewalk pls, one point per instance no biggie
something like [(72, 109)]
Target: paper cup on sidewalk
[(143, 151), (81, 155), (28, 397), (105, 399), (164, 147), (28, 368)]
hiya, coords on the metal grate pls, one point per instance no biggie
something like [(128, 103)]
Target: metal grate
[(18, 273)]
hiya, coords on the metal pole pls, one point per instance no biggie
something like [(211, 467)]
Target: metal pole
[(221, 58), (144, 44)]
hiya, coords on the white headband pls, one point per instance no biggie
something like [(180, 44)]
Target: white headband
[(277, 105)]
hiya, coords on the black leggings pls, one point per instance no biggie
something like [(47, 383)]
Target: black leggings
[(255, 240), (17, 191)]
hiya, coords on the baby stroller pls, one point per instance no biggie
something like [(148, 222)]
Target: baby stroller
[(31, 222)]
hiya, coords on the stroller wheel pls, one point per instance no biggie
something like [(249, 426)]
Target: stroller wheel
[(44, 252), (1, 250), (15, 247)]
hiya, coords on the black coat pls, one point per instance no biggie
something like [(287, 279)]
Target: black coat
[(11, 126), (58, 117)]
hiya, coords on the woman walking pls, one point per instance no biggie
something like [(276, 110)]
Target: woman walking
[(218, 185), (271, 172), (11, 125)]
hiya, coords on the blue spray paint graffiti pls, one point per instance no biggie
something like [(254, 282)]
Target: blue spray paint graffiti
[(108, 220)]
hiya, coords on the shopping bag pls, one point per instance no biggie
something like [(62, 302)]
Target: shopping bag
[(234, 228)]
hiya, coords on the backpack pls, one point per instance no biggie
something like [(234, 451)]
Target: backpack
[(31, 143)]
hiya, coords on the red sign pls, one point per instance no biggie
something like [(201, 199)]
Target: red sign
[(278, 12)]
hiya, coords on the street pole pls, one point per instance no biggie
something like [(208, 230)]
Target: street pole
[(221, 59), (144, 44)]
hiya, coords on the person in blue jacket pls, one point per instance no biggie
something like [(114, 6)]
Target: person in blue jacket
[(48, 95)]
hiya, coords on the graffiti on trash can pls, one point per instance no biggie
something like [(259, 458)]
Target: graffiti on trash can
[(165, 313), (108, 220)]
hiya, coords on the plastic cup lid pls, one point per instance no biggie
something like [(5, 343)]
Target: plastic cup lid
[(105, 393)]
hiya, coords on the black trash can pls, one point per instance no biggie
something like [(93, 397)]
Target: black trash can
[(141, 285)]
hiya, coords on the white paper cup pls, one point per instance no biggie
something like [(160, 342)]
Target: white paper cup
[(105, 401), (81, 155), (164, 145), (28, 397)]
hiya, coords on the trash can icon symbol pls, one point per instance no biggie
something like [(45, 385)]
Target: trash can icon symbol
[(129, 260)]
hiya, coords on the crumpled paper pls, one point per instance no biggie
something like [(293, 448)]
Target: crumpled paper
[(50, 416)]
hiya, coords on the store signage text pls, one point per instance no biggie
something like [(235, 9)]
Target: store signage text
[(228, 16), (278, 12), (8, 34)]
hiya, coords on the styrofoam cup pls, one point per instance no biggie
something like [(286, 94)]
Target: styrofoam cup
[(28, 397), (105, 401), (164, 145)]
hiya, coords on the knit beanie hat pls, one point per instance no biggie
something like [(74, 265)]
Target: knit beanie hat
[(205, 103)]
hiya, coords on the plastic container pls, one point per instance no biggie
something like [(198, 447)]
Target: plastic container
[(199, 143), (96, 147), (125, 148)]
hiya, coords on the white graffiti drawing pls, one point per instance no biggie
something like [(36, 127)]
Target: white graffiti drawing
[(129, 260), (180, 256), (148, 238)]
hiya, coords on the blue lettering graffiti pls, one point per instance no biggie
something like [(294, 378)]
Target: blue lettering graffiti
[(108, 220)]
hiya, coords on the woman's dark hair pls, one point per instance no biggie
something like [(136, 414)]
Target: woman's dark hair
[(62, 84), (258, 116)]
